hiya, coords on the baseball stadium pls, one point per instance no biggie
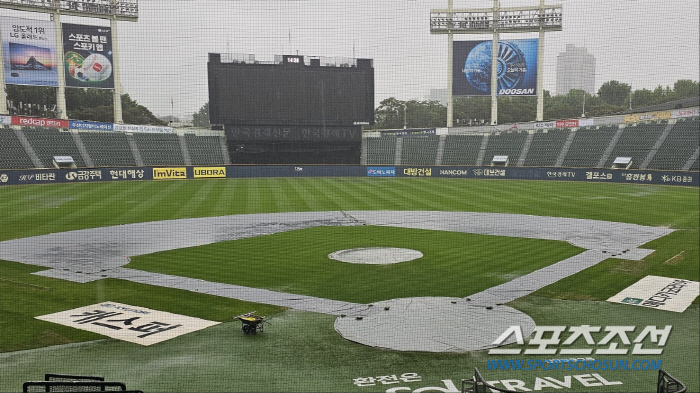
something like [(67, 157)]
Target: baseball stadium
[(308, 231)]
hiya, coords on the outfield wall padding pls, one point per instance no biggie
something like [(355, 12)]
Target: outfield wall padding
[(599, 175)]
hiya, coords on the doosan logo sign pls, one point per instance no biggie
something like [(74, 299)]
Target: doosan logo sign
[(513, 92)]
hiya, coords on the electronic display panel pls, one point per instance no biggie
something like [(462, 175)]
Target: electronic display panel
[(516, 68), (290, 94)]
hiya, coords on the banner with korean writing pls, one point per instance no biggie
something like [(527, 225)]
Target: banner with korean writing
[(87, 56), (647, 116), (29, 52), (135, 324), (517, 68), (662, 293)]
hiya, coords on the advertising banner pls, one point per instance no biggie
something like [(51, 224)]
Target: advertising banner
[(169, 173), (293, 133), (546, 124), (5, 119), (87, 56), (517, 68), (637, 117), (148, 129), (676, 113), (128, 323), (44, 176), (90, 125), (420, 131), (381, 171), (39, 122), (29, 52), (567, 123), (209, 172), (662, 293)]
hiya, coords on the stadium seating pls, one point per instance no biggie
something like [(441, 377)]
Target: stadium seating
[(159, 149), (205, 150), (419, 150), (461, 149), (545, 147), (12, 153), (505, 144), (108, 148), (635, 142), (381, 151), (679, 145), (588, 146), (48, 143)]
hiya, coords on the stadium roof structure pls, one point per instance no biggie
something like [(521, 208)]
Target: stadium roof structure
[(106, 9)]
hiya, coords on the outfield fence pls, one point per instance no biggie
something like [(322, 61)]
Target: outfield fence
[(47, 176)]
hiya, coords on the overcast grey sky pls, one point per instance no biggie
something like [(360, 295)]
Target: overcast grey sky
[(645, 43)]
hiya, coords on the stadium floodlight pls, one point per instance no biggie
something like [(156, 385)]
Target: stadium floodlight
[(120, 9), (496, 20)]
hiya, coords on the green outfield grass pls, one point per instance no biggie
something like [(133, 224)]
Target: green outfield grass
[(302, 352)]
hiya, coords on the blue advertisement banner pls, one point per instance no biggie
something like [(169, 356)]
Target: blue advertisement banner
[(29, 52), (381, 171), (89, 125), (517, 68), (87, 56), (47, 176)]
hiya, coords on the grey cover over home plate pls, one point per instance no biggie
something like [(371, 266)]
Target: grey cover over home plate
[(417, 324)]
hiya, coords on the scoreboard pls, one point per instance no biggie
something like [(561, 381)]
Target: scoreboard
[(290, 93)]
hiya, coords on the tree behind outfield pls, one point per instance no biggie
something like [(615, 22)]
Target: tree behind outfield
[(201, 117), (84, 104), (614, 92)]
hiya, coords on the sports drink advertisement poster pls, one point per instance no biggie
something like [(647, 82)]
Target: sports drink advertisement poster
[(87, 56), (29, 52), (516, 68)]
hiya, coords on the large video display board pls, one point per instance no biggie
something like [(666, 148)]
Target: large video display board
[(87, 56), (290, 94), (517, 68), (29, 51)]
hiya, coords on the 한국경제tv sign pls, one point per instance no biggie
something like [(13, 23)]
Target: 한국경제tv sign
[(135, 324)]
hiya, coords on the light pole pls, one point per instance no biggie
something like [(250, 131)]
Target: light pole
[(583, 110), (630, 97), (404, 115)]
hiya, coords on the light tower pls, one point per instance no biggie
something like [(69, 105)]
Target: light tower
[(114, 10), (496, 20)]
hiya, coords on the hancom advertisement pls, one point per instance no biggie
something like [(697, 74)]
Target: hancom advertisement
[(517, 68), (29, 52), (87, 56)]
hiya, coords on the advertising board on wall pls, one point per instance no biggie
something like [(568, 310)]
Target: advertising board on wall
[(90, 125), (39, 122), (146, 129), (29, 51), (87, 56), (676, 113), (517, 68), (647, 116)]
